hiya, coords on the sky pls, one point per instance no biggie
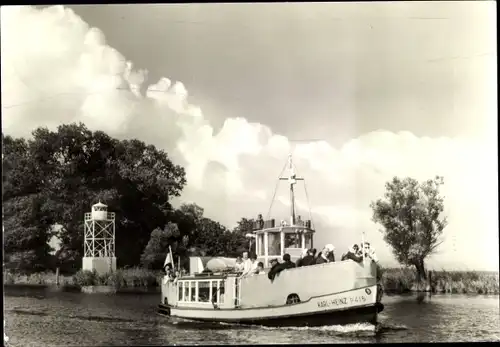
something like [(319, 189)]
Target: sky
[(358, 92)]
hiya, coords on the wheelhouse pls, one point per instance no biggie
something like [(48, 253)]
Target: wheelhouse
[(273, 241)]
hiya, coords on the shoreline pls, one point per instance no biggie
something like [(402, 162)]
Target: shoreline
[(139, 280), (111, 290), (86, 289)]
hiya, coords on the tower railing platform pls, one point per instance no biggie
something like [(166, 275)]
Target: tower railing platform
[(109, 216)]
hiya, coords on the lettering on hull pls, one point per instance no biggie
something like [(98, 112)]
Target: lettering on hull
[(340, 302)]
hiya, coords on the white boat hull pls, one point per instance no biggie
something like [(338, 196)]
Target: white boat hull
[(354, 306)]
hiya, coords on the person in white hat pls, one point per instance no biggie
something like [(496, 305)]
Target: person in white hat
[(331, 254), (326, 255)]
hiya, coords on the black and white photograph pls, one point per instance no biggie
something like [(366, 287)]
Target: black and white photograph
[(250, 173)]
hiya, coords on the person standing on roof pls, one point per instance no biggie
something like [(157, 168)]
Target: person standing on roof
[(300, 222), (260, 222)]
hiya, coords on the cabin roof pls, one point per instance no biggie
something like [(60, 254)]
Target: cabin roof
[(205, 277), (289, 229)]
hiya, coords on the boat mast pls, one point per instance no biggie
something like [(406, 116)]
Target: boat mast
[(292, 179)]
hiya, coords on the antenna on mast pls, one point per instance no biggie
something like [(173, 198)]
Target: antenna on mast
[(292, 180)]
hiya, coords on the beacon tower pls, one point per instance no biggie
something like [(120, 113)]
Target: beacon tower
[(99, 246)]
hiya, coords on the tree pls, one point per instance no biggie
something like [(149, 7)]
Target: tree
[(157, 248), (410, 214), (242, 243), (189, 233), (25, 244), (205, 237)]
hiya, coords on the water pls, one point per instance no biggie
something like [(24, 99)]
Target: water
[(38, 317)]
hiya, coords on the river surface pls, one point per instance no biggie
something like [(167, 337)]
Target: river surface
[(40, 317)]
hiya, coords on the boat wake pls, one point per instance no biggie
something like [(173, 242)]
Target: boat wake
[(350, 329)]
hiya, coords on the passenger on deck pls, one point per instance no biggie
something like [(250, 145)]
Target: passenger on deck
[(365, 247), (276, 269), (274, 266), (314, 251), (260, 269), (287, 262), (299, 261), (239, 265), (169, 272), (309, 259), (326, 255), (353, 254), (372, 255), (249, 265), (331, 255)]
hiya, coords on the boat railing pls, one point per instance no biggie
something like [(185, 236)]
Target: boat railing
[(271, 223)]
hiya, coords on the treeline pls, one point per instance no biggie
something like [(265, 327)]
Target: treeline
[(54, 178)]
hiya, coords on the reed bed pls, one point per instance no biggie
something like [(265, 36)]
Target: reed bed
[(401, 280), (121, 278), (37, 278)]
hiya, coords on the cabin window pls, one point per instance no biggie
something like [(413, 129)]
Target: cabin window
[(260, 250), (274, 244), (292, 241), (221, 292), (186, 292), (180, 289), (204, 291), (194, 289), (308, 241)]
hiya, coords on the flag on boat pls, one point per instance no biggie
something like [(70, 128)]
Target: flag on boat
[(169, 259)]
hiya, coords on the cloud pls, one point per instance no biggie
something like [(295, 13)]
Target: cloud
[(56, 69)]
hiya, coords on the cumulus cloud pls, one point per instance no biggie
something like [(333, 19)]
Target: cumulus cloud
[(56, 69)]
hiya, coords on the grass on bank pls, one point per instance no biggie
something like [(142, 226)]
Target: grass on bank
[(121, 278), (401, 280), (394, 280)]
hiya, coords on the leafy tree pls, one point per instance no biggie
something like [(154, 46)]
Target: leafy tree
[(211, 238), (26, 245), (245, 226), (157, 248), (205, 237), (242, 243), (410, 214)]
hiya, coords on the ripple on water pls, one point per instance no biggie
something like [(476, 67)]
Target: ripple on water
[(78, 319)]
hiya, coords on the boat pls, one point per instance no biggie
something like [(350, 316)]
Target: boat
[(333, 293)]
